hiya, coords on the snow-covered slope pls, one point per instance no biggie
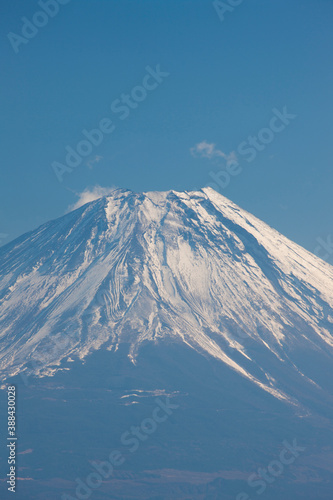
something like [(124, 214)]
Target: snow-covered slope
[(185, 267)]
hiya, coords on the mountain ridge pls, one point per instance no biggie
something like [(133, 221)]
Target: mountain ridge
[(191, 267)]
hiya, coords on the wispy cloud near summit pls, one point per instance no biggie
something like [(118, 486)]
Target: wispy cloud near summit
[(90, 194), (209, 150)]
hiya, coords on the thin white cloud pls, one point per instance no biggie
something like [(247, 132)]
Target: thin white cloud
[(209, 150), (92, 162), (90, 194)]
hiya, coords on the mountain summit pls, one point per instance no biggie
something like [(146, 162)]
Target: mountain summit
[(182, 268), (181, 299)]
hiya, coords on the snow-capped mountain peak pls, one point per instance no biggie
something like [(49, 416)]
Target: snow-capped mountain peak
[(179, 267)]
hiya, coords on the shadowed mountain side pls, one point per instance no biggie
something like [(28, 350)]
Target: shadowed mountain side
[(213, 431)]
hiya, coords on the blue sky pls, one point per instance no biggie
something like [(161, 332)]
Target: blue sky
[(222, 80)]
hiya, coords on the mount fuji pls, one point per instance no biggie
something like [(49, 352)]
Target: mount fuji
[(181, 294)]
